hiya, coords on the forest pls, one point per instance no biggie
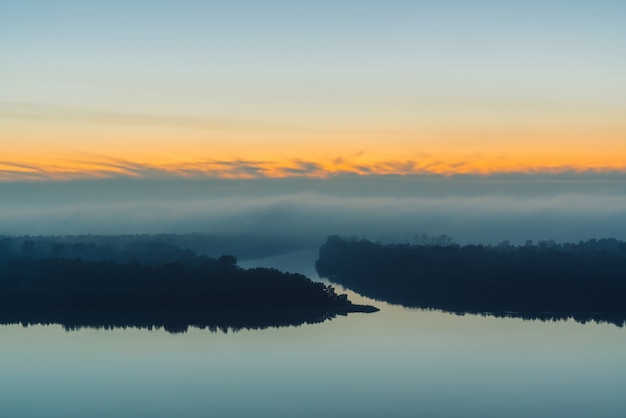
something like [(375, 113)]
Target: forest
[(147, 248), (153, 284), (585, 281)]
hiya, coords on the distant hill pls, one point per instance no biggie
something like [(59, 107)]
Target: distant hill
[(584, 281)]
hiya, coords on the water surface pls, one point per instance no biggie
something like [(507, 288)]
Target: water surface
[(396, 362)]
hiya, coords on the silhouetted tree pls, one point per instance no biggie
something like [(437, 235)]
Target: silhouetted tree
[(198, 291), (586, 281)]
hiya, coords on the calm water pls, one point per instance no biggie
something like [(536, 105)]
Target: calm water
[(394, 363)]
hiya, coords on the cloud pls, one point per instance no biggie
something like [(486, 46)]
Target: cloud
[(81, 165), (12, 171)]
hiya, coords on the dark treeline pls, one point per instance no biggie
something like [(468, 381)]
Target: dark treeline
[(198, 291), (585, 281), (144, 248)]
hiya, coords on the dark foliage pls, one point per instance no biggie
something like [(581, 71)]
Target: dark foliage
[(157, 248), (584, 281), (199, 291)]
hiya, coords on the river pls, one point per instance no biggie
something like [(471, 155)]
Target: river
[(393, 363)]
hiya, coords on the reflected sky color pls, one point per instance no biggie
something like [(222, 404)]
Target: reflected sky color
[(280, 89), (396, 362)]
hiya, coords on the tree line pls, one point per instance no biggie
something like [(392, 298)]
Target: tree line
[(146, 248), (545, 280), (192, 290)]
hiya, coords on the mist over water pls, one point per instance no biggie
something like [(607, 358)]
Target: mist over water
[(303, 211)]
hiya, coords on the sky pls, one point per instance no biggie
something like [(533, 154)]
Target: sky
[(416, 93), (277, 88)]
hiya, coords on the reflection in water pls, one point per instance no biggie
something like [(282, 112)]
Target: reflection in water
[(581, 318), (400, 363), (489, 306), (386, 304), (215, 320)]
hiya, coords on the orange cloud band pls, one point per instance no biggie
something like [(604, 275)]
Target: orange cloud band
[(102, 167)]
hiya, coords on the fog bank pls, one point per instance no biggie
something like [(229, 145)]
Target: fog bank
[(565, 207)]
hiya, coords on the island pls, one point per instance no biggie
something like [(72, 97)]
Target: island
[(199, 291), (585, 281)]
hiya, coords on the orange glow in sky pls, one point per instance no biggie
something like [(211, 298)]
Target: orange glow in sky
[(278, 157), (53, 145), (420, 87)]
